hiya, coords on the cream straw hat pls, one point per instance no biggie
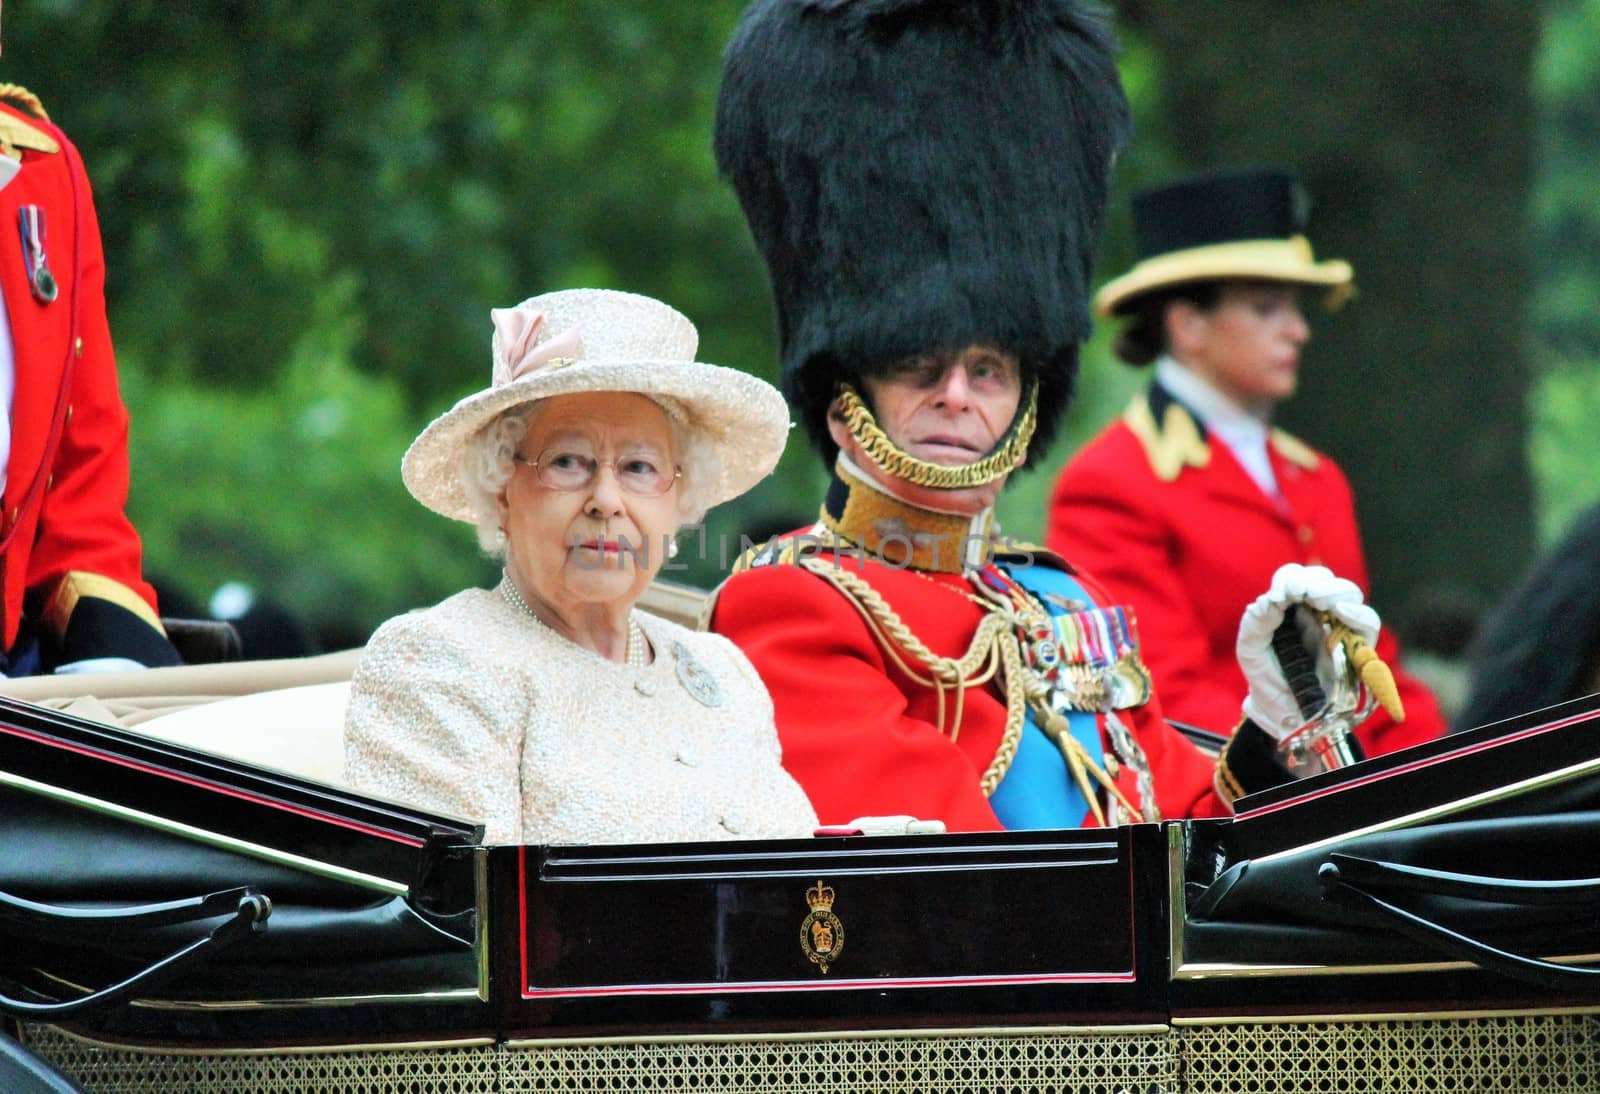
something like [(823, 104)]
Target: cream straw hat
[(582, 340)]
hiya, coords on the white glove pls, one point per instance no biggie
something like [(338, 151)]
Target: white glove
[(897, 826), (1271, 703)]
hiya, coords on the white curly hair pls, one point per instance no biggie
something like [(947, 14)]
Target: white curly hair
[(487, 465)]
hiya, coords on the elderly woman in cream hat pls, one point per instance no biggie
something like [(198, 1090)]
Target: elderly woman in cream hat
[(550, 707)]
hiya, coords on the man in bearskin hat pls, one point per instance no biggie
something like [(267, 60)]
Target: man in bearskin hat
[(73, 597), (925, 180)]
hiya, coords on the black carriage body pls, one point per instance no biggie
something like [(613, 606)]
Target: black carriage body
[(368, 912), (1395, 886), (1021, 928), (392, 926)]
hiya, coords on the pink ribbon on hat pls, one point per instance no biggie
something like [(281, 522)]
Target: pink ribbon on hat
[(522, 354)]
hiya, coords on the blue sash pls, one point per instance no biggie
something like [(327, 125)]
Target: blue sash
[(1038, 791)]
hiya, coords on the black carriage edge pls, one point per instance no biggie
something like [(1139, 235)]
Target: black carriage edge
[(159, 895)]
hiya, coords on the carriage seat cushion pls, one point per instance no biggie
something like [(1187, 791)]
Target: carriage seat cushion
[(299, 730)]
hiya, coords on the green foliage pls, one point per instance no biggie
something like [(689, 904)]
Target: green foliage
[(1566, 263), (292, 487), (309, 209), (308, 212), (1566, 251), (1565, 449)]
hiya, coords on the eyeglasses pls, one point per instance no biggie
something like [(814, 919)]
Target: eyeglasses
[(567, 471)]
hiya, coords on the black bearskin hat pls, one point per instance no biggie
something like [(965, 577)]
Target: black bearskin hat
[(922, 175)]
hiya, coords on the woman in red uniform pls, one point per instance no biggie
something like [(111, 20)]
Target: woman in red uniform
[(1186, 506)]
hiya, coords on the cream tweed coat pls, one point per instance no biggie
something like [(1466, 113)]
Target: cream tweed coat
[(475, 709)]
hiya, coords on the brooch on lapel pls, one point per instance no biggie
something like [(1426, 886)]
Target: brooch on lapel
[(696, 679)]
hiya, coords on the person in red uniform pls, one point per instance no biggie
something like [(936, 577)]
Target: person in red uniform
[(1186, 506), (925, 180), (73, 595)]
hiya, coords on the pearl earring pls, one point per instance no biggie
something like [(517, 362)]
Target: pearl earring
[(672, 548), (499, 537)]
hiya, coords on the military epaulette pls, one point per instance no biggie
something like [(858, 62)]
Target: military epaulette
[(1295, 450), (18, 132), (1172, 444)]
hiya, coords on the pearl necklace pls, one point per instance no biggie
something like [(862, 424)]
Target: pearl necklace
[(637, 650)]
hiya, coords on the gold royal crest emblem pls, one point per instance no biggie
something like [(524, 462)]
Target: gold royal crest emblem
[(821, 932)]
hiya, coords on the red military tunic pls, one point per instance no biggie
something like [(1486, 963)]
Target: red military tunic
[(1175, 527), (72, 552), (863, 738)]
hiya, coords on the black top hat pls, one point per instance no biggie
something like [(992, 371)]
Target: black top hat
[(1245, 223), (921, 175)]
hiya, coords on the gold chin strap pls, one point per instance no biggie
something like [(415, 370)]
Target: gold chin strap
[(888, 457)]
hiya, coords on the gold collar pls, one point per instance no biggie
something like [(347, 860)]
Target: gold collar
[(900, 535)]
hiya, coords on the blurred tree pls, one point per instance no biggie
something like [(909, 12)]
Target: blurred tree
[(415, 163), (1566, 264), (308, 211), (1412, 125)]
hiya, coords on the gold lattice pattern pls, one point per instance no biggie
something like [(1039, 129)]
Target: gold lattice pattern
[(1094, 1064), (1056, 1061), (415, 1071), (1525, 1053), (1521, 1053)]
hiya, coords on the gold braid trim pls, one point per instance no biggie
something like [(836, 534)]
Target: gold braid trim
[(19, 94), (78, 585), (1226, 783), (993, 647), (778, 551), (1016, 712), (876, 445)]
